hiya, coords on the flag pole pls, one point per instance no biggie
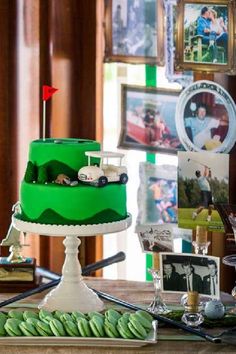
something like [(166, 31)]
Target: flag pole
[(48, 91), (44, 119)]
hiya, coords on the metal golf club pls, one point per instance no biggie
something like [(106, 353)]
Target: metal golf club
[(197, 162)]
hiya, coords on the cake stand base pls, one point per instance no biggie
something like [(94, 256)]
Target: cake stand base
[(71, 294)]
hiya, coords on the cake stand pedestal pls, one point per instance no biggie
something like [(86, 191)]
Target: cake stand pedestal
[(231, 261), (71, 294)]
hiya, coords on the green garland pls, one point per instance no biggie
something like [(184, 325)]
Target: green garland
[(227, 321)]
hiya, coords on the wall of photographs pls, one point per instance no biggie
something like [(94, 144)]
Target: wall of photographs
[(197, 122)]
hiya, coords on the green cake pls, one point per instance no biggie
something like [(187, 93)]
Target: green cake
[(51, 194)]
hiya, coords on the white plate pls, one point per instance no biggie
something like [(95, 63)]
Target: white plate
[(81, 341)]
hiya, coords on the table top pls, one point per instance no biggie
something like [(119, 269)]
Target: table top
[(169, 340)]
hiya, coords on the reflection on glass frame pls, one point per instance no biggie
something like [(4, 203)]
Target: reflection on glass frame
[(182, 273), (205, 35), (205, 118), (148, 119), (184, 78), (157, 194), (134, 31)]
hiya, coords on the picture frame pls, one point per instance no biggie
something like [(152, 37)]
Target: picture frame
[(203, 181), (134, 31), (205, 35), (206, 118), (190, 272), (184, 78), (155, 238), (161, 180), (147, 119)]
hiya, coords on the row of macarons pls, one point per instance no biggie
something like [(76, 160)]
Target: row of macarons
[(111, 323)]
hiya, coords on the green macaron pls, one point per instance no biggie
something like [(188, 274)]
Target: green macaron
[(95, 313), (71, 329), (124, 330), (65, 317), (3, 319), (84, 328), (43, 329), (57, 328), (77, 315), (16, 314), (110, 329), (144, 314), (28, 329), (30, 314), (33, 321), (146, 323), (97, 327), (57, 314), (112, 316), (12, 327), (45, 316), (136, 328)]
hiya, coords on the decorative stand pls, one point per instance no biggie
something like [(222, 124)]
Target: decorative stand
[(72, 294), (231, 261), (157, 305)]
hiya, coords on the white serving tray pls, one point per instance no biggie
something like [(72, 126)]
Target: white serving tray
[(80, 341)]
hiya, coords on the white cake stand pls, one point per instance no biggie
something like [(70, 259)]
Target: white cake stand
[(71, 294)]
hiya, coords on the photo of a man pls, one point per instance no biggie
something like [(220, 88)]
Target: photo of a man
[(189, 280), (200, 128), (206, 194), (171, 278), (210, 281), (203, 180)]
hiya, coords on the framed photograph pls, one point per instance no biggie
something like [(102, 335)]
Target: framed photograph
[(134, 31), (155, 238), (148, 119), (190, 272), (157, 194), (205, 35), (184, 78), (203, 181), (206, 118)]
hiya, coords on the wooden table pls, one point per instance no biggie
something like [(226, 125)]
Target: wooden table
[(135, 292)]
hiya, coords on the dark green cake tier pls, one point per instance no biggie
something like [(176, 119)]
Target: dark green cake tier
[(46, 202)]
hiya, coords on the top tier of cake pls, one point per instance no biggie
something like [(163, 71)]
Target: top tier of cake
[(51, 193), (61, 155)]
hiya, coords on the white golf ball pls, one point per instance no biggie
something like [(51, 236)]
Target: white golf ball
[(214, 309)]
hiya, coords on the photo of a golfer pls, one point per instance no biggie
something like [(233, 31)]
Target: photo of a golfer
[(203, 180), (206, 194)]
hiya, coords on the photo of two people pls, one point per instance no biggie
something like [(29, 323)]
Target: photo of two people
[(206, 33)]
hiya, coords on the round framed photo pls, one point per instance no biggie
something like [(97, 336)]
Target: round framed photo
[(206, 118)]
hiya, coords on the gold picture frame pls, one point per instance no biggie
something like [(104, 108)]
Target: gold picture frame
[(205, 35), (134, 33)]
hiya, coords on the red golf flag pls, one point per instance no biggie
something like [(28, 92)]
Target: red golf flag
[(48, 91)]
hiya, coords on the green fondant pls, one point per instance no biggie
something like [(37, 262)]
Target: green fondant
[(50, 217), (68, 151), (31, 172), (42, 174), (61, 204), (77, 203)]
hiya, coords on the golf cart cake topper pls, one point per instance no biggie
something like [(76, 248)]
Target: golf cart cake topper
[(205, 118), (100, 175)]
